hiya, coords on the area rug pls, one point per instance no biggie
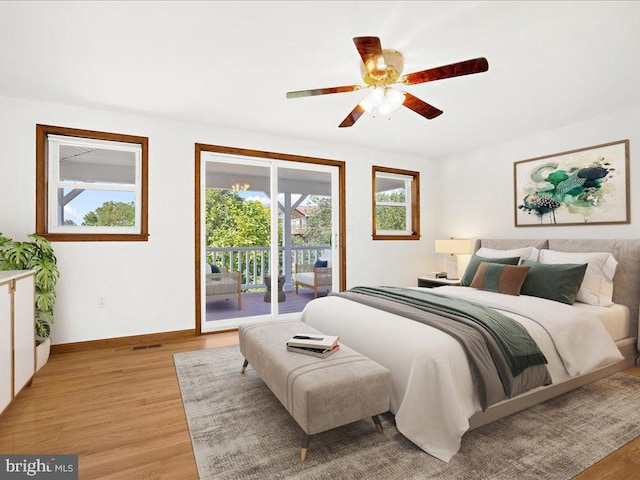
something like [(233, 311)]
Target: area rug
[(239, 430)]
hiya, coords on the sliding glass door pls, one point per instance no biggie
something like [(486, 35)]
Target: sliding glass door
[(269, 238)]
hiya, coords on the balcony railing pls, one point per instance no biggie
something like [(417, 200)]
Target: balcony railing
[(255, 262)]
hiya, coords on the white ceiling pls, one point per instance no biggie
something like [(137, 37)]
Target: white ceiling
[(230, 64)]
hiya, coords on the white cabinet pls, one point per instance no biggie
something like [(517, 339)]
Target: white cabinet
[(6, 347), (17, 333)]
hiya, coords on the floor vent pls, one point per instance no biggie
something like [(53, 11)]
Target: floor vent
[(145, 347)]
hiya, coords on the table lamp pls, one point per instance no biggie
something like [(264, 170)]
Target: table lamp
[(452, 247)]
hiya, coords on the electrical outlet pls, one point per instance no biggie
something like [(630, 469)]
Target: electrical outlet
[(100, 301)]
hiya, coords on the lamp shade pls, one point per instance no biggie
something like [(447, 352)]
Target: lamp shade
[(453, 245)]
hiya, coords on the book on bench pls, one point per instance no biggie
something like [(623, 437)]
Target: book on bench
[(314, 352), (313, 340)]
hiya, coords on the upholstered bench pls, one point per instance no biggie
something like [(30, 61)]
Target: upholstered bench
[(319, 393)]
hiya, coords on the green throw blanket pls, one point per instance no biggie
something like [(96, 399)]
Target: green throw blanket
[(515, 343)]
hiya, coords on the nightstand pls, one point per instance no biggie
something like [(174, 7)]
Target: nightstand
[(436, 282)]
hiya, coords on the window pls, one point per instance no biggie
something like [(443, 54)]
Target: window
[(91, 186), (396, 204)]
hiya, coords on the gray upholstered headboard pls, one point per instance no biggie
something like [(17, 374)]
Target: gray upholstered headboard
[(626, 283)]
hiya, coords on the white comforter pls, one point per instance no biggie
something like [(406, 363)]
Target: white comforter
[(432, 391)]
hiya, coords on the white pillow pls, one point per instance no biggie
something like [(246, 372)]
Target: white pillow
[(526, 253), (597, 285)]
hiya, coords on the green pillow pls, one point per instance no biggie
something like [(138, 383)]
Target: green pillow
[(559, 282), (500, 278), (475, 262)]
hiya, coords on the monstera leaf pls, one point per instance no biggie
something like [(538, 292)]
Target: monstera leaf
[(35, 254), (46, 272), (17, 255)]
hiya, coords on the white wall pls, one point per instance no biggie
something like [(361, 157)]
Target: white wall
[(148, 287), (476, 188)]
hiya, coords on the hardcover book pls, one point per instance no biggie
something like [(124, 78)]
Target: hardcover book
[(313, 340), (314, 352)]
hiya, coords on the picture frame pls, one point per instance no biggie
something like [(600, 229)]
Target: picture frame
[(587, 186)]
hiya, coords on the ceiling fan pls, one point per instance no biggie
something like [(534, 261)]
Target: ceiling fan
[(381, 70)]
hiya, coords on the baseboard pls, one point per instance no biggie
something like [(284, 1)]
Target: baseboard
[(214, 332), (122, 341)]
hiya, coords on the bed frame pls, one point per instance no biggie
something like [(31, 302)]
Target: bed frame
[(626, 291)]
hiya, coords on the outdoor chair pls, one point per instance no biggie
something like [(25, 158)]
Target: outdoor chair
[(310, 276), (223, 286)]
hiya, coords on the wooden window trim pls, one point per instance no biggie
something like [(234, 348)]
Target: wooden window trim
[(42, 185), (244, 152), (415, 203)]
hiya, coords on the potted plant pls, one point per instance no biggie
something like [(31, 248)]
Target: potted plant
[(35, 254)]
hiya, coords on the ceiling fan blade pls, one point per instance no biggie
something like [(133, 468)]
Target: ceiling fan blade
[(420, 107), (370, 50), (353, 117), (467, 67), (323, 91)]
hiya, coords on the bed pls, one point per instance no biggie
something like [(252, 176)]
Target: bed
[(433, 396)]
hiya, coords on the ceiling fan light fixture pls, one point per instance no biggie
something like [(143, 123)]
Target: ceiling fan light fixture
[(382, 101), (385, 109), (394, 97), (373, 100), (366, 104), (377, 95)]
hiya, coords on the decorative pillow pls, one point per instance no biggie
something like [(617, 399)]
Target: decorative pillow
[(597, 286), (526, 253), (320, 264), (475, 262), (557, 282), (500, 278), (214, 268)]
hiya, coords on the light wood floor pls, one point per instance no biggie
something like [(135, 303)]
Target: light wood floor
[(121, 412)]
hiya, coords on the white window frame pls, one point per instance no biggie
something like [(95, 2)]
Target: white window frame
[(273, 164), (55, 183), (406, 204)]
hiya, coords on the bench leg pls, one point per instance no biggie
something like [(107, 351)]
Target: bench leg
[(245, 364), (305, 446), (376, 420)]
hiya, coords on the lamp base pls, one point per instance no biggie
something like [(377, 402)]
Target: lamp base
[(452, 267)]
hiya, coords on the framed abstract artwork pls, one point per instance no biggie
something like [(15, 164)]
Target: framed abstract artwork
[(588, 186)]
